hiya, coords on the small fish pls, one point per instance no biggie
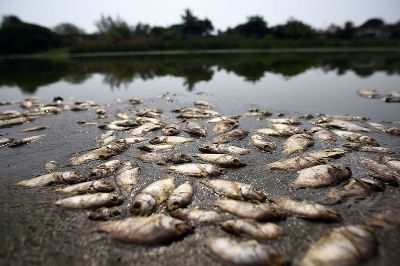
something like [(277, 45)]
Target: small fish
[(256, 211), (377, 125), (297, 143), (223, 160), (158, 147), (105, 169), (305, 209), (106, 138), (391, 162), (344, 125), (101, 111), (143, 129), (120, 125), (203, 104), (235, 190), (295, 163), (171, 130), (254, 112), (20, 142), (141, 120), (360, 147), (50, 166), (34, 128), (90, 201), (155, 229), (381, 171), (392, 131), (122, 115), (68, 177), (321, 176), (88, 187), (286, 121), (133, 140), (367, 93), (356, 188), (261, 143), (196, 169), (325, 135), (197, 216), (163, 158), (135, 101), (284, 130), (225, 125), (385, 219), (349, 117), (223, 148), (229, 136), (252, 228), (127, 176), (223, 118), (86, 122), (103, 153), (325, 154), (152, 196), (195, 129), (347, 245), (16, 121), (104, 213), (248, 252), (181, 196), (170, 140), (5, 141), (356, 137)]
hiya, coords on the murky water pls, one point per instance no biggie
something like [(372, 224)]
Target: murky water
[(295, 82)]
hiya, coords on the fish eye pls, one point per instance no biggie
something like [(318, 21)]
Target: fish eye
[(136, 205)]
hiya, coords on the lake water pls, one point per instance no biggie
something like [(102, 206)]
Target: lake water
[(294, 82)]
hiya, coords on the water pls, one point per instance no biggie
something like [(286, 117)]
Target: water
[(294, 82)]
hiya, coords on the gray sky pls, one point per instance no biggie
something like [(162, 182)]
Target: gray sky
[(223, 13)]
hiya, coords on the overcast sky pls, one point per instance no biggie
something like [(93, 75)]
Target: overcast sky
[(223, 13)]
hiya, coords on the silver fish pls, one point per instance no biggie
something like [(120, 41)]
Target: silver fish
[(356, 137), (305, 209), (122, 115), (135, 101), (143, 129), (380, 171), (367, 93), (90, 201), (196, 215), (297, 142), (170, 140), (287, 130), (360, 147), (171, 130), (88, 187), (34, 129), (155, 229), (256, 211), (181, 196), (16, 121), (163, 158), (24, 141), (325, 154), (50, 166), (104, 152), (223, 160), (295, 163), (196, 169), (105, 169), (249, 252), (392, 131), (225, 125), (152, 196), (53, 178), (229, 136), (252, 228), (321, 176), (104, 213), (203, 104), (223, 148), (127, 176), (195, 129), (286, 120), (345, 125), (158, 147), (262, 143), (391, 162), (325, 135), (347, 245), (235, 190), (349, 117)]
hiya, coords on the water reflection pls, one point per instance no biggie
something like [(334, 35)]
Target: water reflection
[(29, 75)]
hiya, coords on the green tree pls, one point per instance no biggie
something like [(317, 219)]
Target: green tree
[(194, 26), (254, 27), (113, 30), (294, 29), (68, 29)]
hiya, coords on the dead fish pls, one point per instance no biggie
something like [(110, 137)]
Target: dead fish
[(229, 136), (385, 219), (223, 148), (203, 104), (391, 162), (68, 177), (122, 115), (252, 228), (391, 99), (135, 101), (143, 129), (197, 216), (321, 176), (127, 176), (9, 114), (367, 93), (103, 153), (381, 171), (155, 229), (235, 190), (225, 125), (181, 196), (191, 114), (5, 141), (252, 112), (223, 118), (305, 209), (196, 169), (262, 143), (248, 252), (101, 111), (356, 188), (152, 196), (171, 130), (344, 125), (256, 211), (347, 245), (223, 160), (286, 120), (361, 147), (133, 140), (120, 125), (349, 117), (141, 120), (158, 147), (88, 187), (170, 140), (151, 112), (297, 142), (103, 214), (356, 137), (325, 154), (325, 135), (392, 131), (280, 130), (376, 125), (106, 138), (20, 142), (50, 166), (7, 103), (295, 163), (105, 169), (163, 158), (90, 201), (86, 122), (34, 128), (195, 129)]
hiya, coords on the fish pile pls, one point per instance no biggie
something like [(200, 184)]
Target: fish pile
[(161, 211)]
